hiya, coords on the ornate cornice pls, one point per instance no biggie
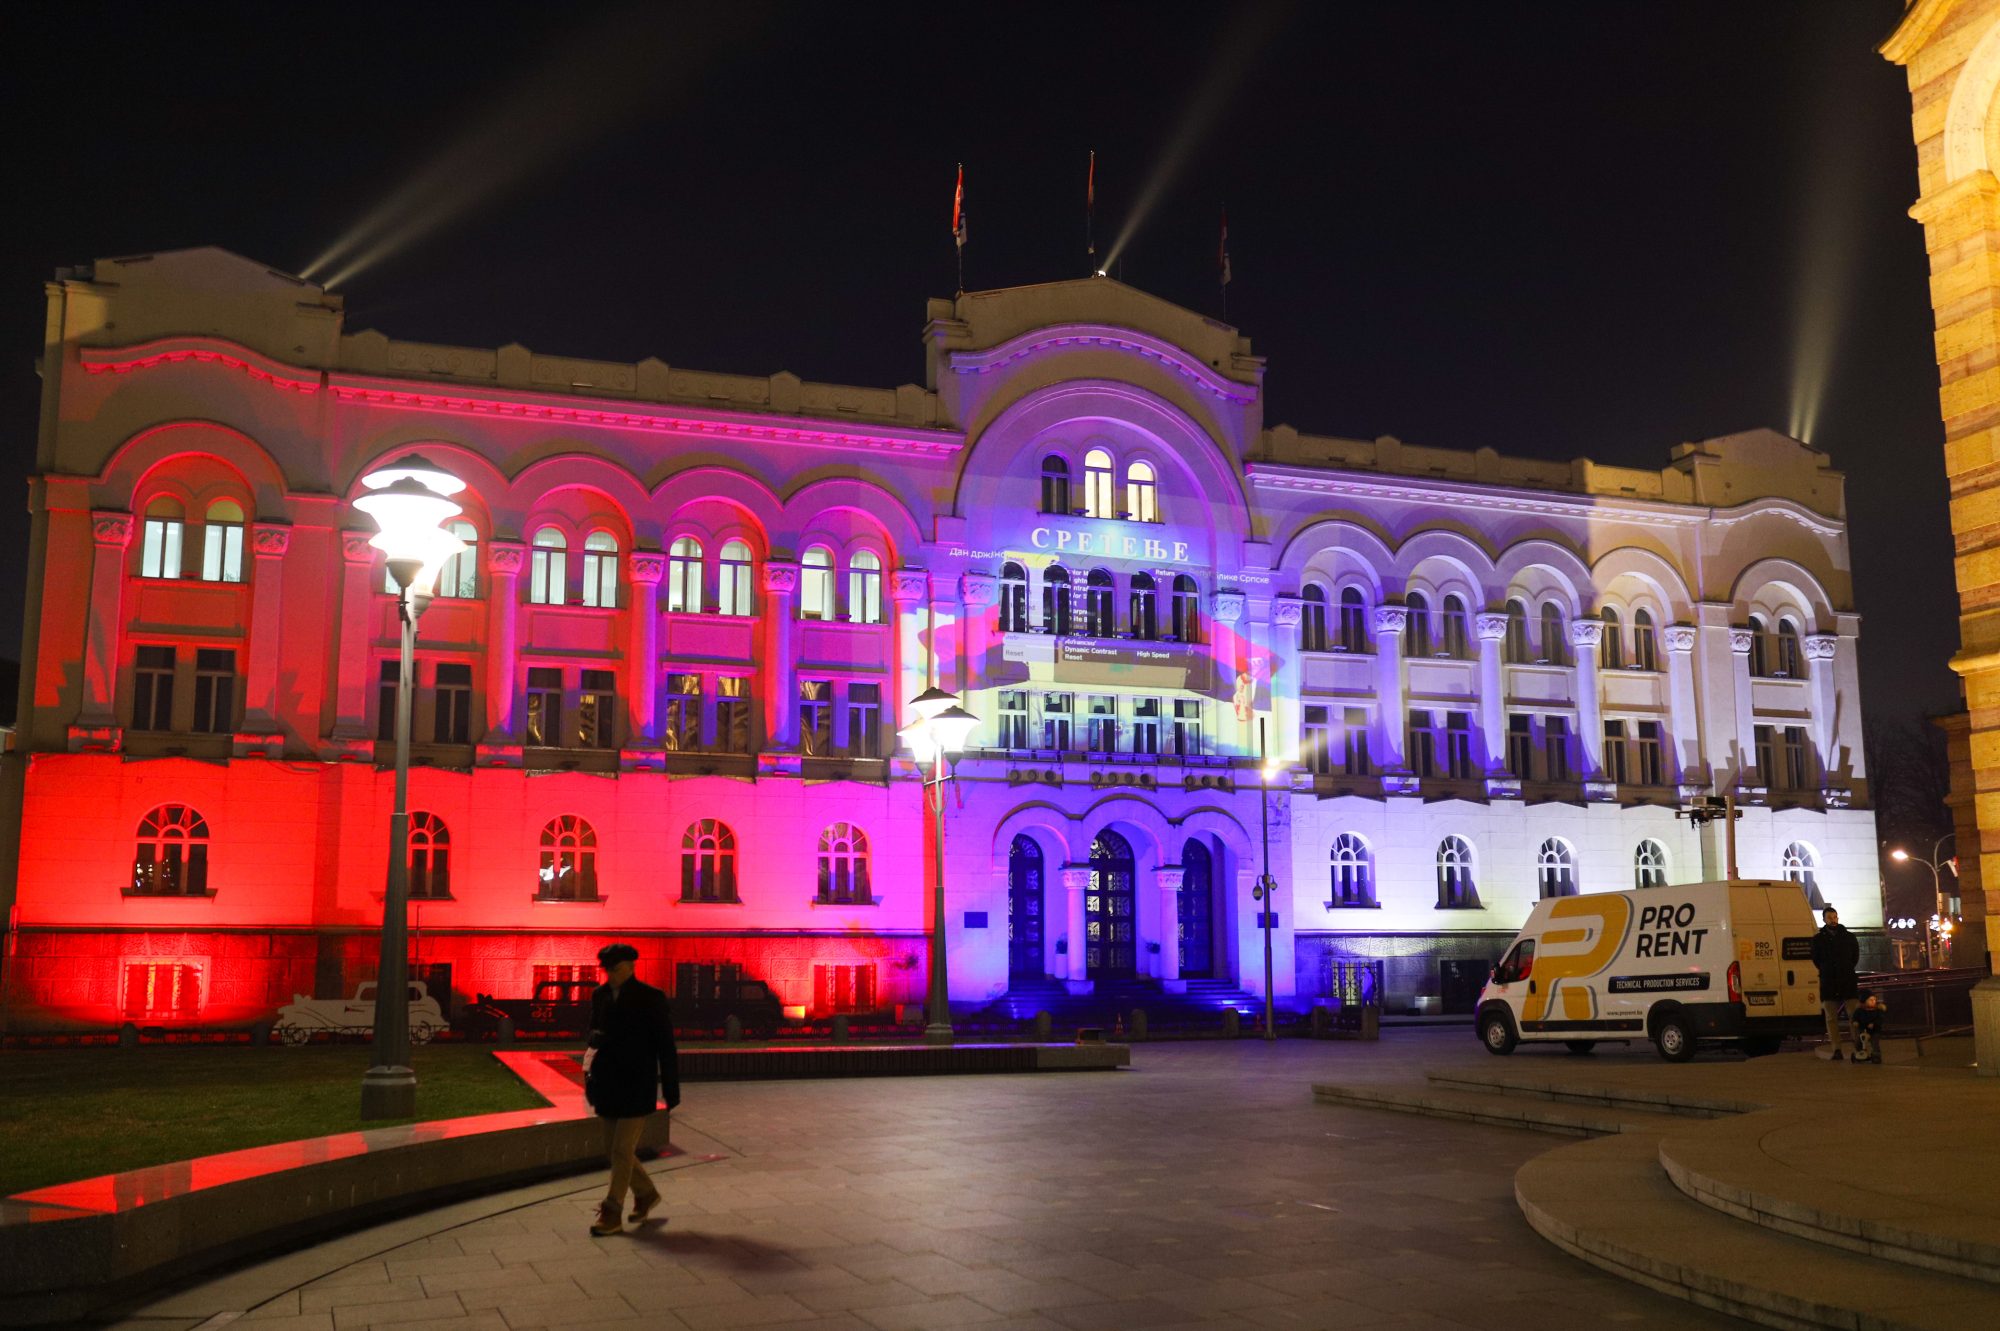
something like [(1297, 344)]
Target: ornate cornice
[(1105, 337), (1585, 632), (780, 578), (979, 588), (504, 558), (1286, 611), (1679, 638), (1391, 619), (1490, 626), (908, 585), (648, 566), (1228, 607), (1820, 646)]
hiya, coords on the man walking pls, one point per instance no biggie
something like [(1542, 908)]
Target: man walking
[(631, 1065), (1835, 954)]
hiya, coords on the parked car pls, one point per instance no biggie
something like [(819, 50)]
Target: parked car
[(299, 1020), (710, 1006), (559, 1007)]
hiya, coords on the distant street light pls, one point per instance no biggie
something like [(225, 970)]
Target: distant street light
[(937, 737), (408, 500), (1934, 937)]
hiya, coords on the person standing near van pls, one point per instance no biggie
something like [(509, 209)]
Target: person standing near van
[(1836, 954), (632, 1065)]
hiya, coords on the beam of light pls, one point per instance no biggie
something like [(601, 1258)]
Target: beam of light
[(1247, 37), (1833, 194), (613, 71)]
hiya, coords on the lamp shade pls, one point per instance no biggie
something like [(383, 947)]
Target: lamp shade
[(951, 728), (920, 741), (415, 467), (408, 514), (427, 554), (932, 701)]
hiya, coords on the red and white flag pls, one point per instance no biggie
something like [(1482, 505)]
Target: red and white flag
[(958, 209)]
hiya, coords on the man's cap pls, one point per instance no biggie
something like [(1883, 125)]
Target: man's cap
[(612, 953)]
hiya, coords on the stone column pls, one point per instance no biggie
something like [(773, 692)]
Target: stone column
[(1285, 616), (916, 642), (1821, 667), (1585, 635), (268, 543), (1169, 879), (111, 533), (1076, 882), (1228, 652), (980, 591), (1744, 770), (503, 608), (781, 655), (357, 601), (1492, 630), (1390, 621), (643, 654), (1684, 714)]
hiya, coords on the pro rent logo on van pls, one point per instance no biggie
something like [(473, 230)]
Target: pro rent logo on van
[(1664, 932)]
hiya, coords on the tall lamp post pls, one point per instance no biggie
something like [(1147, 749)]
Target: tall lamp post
[(937, 738), (1937, 935), (1266, 885), (408, 500)]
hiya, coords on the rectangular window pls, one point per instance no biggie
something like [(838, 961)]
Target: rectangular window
[(1103, 724), (1354, 741), (222, 552), (1458, 746), (1521, 747), (1056, 718), (153, 689), (1555, 748), (1316, 742), (1650, 769), (386, 677), (839, 989), (1014, 719), (451, 715), (1145, 725), (1422, 747), (732, 714), (1767, 758), (683, 721), (1797, 768), (816, 717), (597, 711), (1187, 727), (544, 707), (864, 720), (1614, 752), (162, 989), (548, 575), (160, 549), (214, 691)]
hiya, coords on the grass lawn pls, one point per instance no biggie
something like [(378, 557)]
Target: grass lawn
[(75, 1113)]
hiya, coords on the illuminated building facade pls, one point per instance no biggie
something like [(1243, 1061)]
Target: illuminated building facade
[(659, 695)]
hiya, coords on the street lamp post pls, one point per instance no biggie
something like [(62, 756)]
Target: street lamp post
[(1265, 887), (936, 738), (408, 500), (1938, 934)]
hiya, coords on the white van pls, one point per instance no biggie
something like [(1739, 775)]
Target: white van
[(1725, 961)]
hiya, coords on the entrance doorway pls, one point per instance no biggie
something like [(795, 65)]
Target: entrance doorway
[(1111, 951), (1024, 909), (1197, 913)]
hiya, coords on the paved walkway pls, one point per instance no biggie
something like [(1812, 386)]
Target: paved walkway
[(1202, 1188)]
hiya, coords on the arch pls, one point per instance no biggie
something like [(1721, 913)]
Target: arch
[(864, 587), (1013, 598), (1649, 864), (1185, 609), (430, 857), (1312, 618), (1049, 825), (484, 482), (1417, 624), (679, 496), (1352, 634), (1799, 863), (548, 567), (1541, 569), (1223, 827), (843, 867), (1457, 874), (875, 504), (1138, 821), (1552, 639), (1352, 866), (1111, 920), (1143, 617), (1969, 115), (708, 862), (130, 468), (1645, 641), (569, 860), (170, 853), (734, 584), (1100, 615), (1796, 585), (1142, 502), (1650, 570), (1555, 868), (163, 532), (1454, 621), (600, 570), (1358, 552), (816, 600), (1055, 485), (1058, 600), (1099, 484), (1027, 886), (1611, 643), (609, 489), (1194, 911)]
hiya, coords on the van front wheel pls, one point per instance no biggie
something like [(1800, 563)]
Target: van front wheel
[(1496, 1032), (1673, 1037)]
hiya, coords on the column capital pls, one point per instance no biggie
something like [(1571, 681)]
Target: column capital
[(1680, 638), (1228, 607), (1286, 612), (909, 585), (354, 547), (1586, 632), (270, 540), (1739, 641), (1820, 646), (1491, 626), (1074, 877), (504, 558), (781, 577), (1391, 619), (1169, 877), (111, 528), (980, 588), (648, 567)]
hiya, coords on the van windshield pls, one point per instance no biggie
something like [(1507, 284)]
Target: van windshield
[(1519, 964)]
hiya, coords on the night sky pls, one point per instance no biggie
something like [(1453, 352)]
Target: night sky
[(1555, 230)]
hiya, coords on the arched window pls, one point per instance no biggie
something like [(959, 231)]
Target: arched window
[(1517, 633), (569, 860), (1353, 872), (1455, 635), (1555, 645), (1013, 598), (1098, 501), (1187, 609), (1145, 621), (430, 857), (684, 575), (222, 542), (1141, 497), (708, 862), (171, 859), (843, 867), (1055, 599), (864, 588), (1801, 865), (160, 544), (1760, 650), (1312, 618), (1456, 889), (816, 584), (1649, 864), (1100, 619), (1416, 625), (1791, 662), (1555, 869), (1645, 647), (548, 567), (732, 582), (1353, 622), (1055, 485), (458, 579), (1611, 644), (600, 570)]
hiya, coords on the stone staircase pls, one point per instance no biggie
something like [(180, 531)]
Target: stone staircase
[(1757, 1211), (1199, 1010)]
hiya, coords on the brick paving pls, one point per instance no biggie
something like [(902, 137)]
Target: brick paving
[(1204, 1187)]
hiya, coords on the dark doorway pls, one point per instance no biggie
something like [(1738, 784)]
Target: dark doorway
[(1024, 909), (1197, 912), (1107, 908), (1459, 983)]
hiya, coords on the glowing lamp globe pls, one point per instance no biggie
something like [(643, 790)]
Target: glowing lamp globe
[(421, 560), (920, 741), (932, 701), (952, 727), (416, 467), (1899, 854), (410, 501)]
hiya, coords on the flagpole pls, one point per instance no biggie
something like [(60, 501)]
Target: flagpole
[(958, 225), (1223, 258), (1090, 217)]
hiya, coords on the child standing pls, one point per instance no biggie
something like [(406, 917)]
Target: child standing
[(1868, 1028)]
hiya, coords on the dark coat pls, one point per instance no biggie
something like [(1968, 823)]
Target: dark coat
[(1836, 953), (633, 1034)]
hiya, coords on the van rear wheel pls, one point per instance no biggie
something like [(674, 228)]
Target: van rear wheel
[(1674, 1037), (1496, 1032), (1579, 1046)]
